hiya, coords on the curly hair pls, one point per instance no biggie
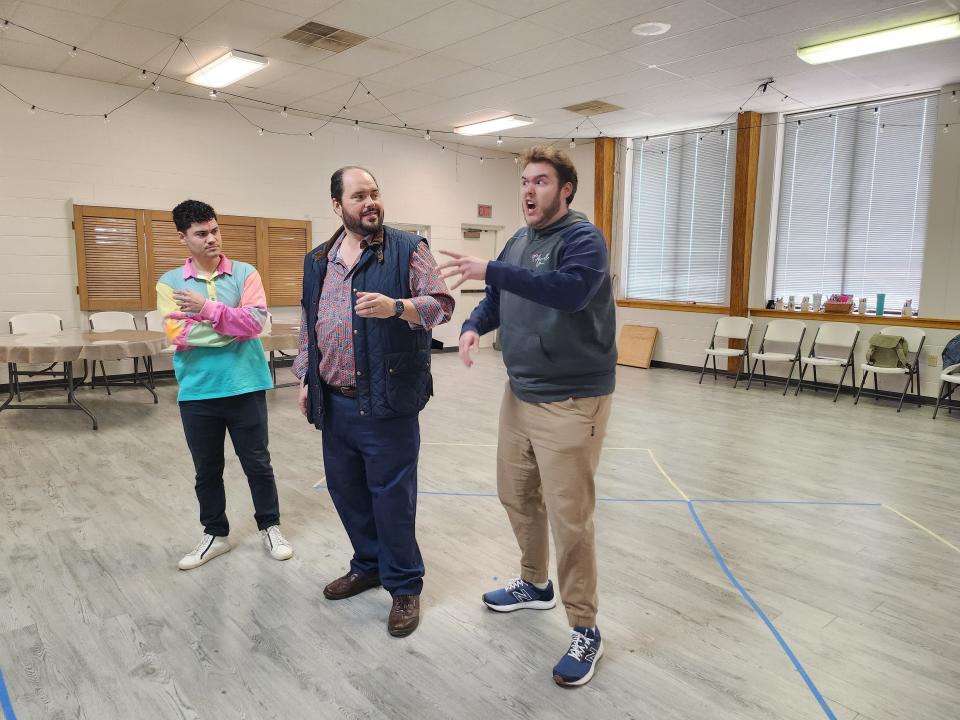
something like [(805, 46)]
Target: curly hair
[(559, 159), (192, 211)]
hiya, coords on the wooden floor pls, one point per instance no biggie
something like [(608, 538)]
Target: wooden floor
[(96, 622)]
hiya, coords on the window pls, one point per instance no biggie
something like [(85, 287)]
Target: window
[(678, 247), (854, 187)]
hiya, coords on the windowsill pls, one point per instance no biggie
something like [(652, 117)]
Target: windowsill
[(915, 321), (691, 306)]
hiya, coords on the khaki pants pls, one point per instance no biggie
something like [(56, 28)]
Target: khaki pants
[(547, 455)]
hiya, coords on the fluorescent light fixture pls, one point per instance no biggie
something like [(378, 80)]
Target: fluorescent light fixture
[(490, 126), (227, 69), (899, 37)]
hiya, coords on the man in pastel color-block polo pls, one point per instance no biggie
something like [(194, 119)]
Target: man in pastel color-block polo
[(214, 310)]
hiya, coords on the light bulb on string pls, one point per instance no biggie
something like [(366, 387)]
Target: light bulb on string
[(212, 94), (442, 148), (33, 110), (499, 141), (73, 51), (356, 125), (426, 135), (260, 131), (573, 143), (481, 160), (283, 113), (946, 129), (4, 25), (106, 119), (516, 159), (882, 127), (310, 135), (155, 86), (954, 93), (143, 75)]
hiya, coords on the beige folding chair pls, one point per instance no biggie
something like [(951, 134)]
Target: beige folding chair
[(34, 324), (728, 328), (915, 338), (949, 379), (105, 322), (782, 333), (835, 336)]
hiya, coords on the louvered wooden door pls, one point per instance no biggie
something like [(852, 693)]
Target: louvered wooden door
[(111, 266)]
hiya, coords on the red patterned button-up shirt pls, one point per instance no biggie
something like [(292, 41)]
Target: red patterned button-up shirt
[(335, 343)]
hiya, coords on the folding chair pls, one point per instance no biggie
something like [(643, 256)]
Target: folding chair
[(729, 328), (835, 335), (34, 324), (949, 379), (105, 322), (780, 332), (915, 338)]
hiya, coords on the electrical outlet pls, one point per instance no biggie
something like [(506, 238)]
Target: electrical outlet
[(933, 360)]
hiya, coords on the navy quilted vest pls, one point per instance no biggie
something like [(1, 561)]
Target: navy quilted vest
[(393, 360)]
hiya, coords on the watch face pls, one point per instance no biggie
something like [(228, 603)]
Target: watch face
[(398, 308)]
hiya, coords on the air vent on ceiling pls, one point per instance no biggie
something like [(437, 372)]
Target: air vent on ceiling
[(593, 107), (325, 37)]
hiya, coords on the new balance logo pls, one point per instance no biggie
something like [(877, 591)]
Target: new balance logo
[(522, 596)]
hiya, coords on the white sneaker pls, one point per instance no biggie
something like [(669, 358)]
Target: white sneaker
[(208, 548), (276, 544)]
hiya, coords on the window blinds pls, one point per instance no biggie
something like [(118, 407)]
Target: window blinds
[(854, 187), (679, 239)]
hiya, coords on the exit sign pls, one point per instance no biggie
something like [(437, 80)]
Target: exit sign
[(485, 211)]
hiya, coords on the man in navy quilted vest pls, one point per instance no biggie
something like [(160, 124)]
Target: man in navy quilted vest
[(549, 293), (371, 296)]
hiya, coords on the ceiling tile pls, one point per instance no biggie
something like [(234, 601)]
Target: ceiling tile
[(812, 13), (548, 57), (276, 70), (243, 25), (423, 69), (28, 55), (307, 82), (170, 16), (93, 68), (692, 44), (287, 50), (66, 26), (739, 8), (919, 68), (464, 82), (373, 17), (518, 8), (128, 43), (684, 17), (368, 58), (447, 25), (578, 16), (501, 42), (94, 8), (302, 8)]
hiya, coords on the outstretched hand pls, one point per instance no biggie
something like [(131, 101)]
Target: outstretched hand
[(469, 343), (466, 266)]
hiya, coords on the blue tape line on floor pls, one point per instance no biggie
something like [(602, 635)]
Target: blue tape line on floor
[(5, 701), (763, 616)]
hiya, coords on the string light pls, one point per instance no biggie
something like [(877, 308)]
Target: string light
[(954, 94), (4, 25), (143, 75), (442, 148), (573, 143), (426, 135), (33, 110), (356, 125), (155, 86), (882, 127), (499, 141), (212, 94), (283, 113), (310, 135), (260, 131), (946, 129), (106, 119), (481, 159), (73, 51), (516, 159)]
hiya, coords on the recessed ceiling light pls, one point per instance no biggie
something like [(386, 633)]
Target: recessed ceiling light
[(489, 126), (650, 28), (905, 36), (227, 69)]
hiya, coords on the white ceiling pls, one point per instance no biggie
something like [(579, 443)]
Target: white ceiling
[(440, 63)]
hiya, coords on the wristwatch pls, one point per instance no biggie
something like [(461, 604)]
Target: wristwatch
[(398, 308)]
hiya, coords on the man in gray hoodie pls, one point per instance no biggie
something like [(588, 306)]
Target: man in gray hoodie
[(550, 294)]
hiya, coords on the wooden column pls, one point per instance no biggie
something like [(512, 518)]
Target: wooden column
[(604, 157), (744, 208)]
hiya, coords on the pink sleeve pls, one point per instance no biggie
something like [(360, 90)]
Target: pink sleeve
[(244, 322)]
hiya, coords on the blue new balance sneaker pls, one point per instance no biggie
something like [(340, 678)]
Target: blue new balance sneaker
[(520, 594), (577, 666)]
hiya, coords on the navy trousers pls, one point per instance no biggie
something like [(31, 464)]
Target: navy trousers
[(371, 472)]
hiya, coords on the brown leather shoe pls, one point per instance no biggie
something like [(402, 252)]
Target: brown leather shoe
[(349, 585), (404, 615)]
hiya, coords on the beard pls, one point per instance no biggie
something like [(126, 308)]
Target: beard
[(360, 226), (549, 212)]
